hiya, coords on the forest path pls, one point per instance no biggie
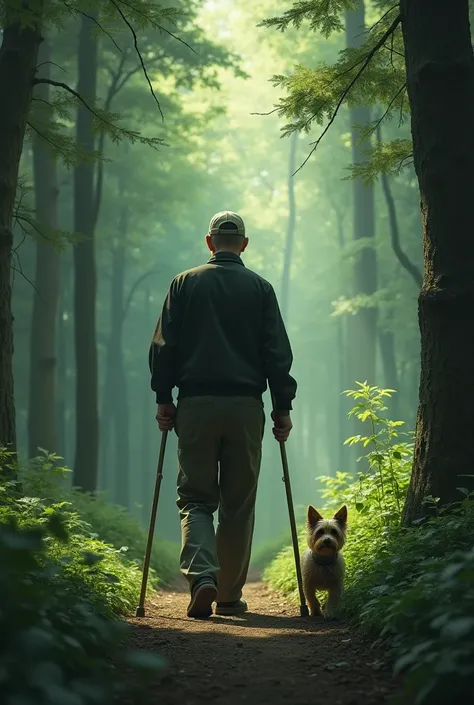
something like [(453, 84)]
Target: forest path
[(269, 656)]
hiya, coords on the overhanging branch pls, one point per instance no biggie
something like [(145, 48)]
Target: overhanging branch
[(364, 63)]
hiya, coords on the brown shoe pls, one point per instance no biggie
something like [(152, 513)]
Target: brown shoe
[(202, 597)]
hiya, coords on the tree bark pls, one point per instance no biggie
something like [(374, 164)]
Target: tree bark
[(18, 57), (42, 409), (85, 277), (440, 83), (363, 326)]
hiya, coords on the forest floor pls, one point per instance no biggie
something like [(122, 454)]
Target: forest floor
[(269, 656)]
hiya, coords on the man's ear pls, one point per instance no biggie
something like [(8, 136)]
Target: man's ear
[(341, 516), (244, 244), (210, 244), (313, 516)]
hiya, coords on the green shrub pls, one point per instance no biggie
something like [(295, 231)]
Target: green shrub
[(414, 588), (268, 550), (55, 648), (109, 522)]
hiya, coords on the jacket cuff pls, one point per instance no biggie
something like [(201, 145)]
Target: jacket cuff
[(164, 397), (282, 404)]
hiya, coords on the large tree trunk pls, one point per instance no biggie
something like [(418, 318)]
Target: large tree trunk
[(42, 409), (440, 83), (85, 278), (363, 326), (18, 57)]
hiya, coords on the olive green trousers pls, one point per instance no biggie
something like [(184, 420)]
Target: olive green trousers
[(219, 451)]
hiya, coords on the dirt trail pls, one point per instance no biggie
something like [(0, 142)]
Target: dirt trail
[(270, 656)]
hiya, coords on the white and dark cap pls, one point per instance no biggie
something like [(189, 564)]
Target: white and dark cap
[(227, 223)]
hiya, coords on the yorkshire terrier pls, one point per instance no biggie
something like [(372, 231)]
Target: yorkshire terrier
[(322, 564)]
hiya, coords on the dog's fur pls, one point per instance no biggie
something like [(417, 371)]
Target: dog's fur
[(322, 564)]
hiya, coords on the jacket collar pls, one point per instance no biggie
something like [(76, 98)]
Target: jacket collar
[(219, 257)]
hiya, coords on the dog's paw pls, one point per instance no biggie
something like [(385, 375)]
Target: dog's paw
[(331, 616)]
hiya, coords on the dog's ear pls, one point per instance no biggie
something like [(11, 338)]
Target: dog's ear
[(313, 516), (341, 516)]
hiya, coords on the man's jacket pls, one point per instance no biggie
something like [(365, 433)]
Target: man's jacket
[(221, 333)]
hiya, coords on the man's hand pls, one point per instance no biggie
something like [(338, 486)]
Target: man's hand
[(281, 426), (165, 415)]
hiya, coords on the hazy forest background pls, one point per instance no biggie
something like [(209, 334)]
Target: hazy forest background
[(124, 126), (145, 208)]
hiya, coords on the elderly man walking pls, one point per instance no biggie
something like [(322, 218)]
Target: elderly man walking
[(220, 339)]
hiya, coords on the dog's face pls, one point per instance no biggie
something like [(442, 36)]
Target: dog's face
[(326, 536)]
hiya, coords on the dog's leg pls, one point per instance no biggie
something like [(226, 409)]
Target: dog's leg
[(313, 604), (333, 602)]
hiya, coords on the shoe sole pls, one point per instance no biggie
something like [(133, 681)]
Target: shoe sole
[(200, 606), (231, 611)]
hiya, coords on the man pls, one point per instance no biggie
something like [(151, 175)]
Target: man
[(219, 339)]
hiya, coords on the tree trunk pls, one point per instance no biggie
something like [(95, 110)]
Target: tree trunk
[(42, 409), (390, 372), (85, 278), (440, 83), (116, 365), (363, 326), (18, 57), (290, 232)]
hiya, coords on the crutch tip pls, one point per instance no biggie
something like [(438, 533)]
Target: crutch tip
[(304, 611), (140, 612)]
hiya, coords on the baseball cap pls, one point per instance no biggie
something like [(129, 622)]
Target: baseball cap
[(226, 217)]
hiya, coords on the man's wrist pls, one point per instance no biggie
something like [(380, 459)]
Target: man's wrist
[(281, 412)]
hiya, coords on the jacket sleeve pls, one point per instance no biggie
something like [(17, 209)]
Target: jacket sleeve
[(162, 357), (277, 355)]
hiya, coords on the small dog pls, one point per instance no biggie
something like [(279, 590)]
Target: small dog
[(322, 564)]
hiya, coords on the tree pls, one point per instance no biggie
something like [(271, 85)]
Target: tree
[(398, 57), (18, 59), (363, 325), (440, 62), (42, 408)]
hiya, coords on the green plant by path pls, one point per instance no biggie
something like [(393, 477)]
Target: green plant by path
[(61, 592), (45, 477), (412, 588)]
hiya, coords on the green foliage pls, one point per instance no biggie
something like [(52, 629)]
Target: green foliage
[(322, 15), (267, 551), (385, 158), (109, 523), (412, 587), (60, 644), (371, 74)]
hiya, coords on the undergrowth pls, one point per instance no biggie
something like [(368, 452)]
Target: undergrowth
[(413, 588), (45, 477), (61, 592)]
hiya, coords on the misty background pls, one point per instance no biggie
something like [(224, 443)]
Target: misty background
[(222, 149)]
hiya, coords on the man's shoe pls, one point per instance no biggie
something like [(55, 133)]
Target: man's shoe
[(231, 609), (203, 595)]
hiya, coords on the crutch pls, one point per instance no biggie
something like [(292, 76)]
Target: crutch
[(140, 611), (304, 612)]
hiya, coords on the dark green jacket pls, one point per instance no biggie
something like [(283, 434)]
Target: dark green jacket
[(221, 333)]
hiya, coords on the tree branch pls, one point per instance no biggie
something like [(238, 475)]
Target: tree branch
[(402, 257), (378, 45), (133, 290), (135, 42)]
